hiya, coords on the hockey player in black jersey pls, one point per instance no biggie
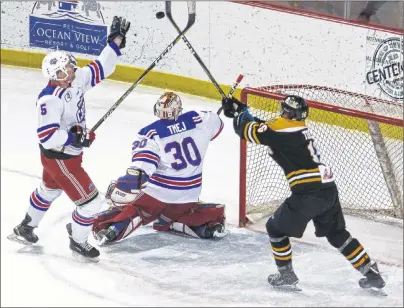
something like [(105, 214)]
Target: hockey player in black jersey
[(314, 192)]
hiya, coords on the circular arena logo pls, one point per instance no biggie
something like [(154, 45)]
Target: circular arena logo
[(387, 68)]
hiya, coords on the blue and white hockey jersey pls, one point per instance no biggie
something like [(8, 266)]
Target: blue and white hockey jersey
[(172, 153), (61, 108)]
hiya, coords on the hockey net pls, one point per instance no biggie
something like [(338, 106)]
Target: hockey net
[(360, 137)]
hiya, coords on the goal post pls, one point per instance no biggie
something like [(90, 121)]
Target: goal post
[(359, 136)]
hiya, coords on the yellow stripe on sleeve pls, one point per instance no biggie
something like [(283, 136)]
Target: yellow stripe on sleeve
[(254, 133), (246, 131)]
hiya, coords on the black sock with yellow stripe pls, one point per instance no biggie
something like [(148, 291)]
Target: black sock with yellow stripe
[(282, 250), (355, 254)]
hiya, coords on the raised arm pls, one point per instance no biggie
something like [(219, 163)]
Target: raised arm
[(245, 125), (99, 69)]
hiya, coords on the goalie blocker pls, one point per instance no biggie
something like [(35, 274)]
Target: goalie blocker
[(131, 208)]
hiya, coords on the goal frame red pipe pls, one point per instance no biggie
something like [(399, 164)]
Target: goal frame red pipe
[(323, 106)]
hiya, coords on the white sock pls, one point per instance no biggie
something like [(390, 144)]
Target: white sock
[(40, 201), (83, 218)]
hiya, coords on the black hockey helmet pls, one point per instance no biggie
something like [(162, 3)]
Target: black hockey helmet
[(294, 107)]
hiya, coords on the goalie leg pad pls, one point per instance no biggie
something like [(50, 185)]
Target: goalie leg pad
[(124, 220), (176, 227), (173, 212), (181, 228), (143, 210), (148, 208), (163, 223), (117, 214), (127, 227), (203, 213), (190, 214), (198, 220)]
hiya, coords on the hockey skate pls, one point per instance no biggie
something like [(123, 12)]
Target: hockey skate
[(219, 231), (211, 231), (284, 279), (23, 233), (373, 280), (105, 236), (82, 251)]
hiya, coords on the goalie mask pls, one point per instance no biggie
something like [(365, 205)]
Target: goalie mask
[(56, 62), (295, 108), (168, 106)]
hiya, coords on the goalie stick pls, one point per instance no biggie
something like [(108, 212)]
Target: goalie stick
[(198, 58), (191, 21)]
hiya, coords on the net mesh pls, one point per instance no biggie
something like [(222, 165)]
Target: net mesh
[(365, 153)]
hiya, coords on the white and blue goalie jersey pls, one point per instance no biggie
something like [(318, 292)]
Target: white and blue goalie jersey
[(172, 153)]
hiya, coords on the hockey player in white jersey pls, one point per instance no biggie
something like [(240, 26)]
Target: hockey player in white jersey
[(164, 181), (62, 135)]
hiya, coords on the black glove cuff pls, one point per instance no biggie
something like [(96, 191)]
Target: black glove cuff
[(112, 36)]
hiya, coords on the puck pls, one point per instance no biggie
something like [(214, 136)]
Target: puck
[(160, 15)]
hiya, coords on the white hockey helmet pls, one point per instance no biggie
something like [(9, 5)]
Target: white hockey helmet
[(55, 62), (168, 106)]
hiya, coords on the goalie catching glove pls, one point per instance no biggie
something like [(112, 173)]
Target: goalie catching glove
[(126, 189)]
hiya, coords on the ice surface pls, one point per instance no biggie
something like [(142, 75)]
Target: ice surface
[(150, 268)]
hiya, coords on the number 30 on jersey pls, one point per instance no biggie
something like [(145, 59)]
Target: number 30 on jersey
[(186, 148)]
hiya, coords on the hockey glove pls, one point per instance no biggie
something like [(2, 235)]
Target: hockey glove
[(242, 118), (80, 137), (119, 27), (126, 189), (232, 107)]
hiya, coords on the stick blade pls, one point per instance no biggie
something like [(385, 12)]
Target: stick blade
[(191, 7)]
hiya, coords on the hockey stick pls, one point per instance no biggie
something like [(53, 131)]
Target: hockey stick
[(198, 58), (191, 21)]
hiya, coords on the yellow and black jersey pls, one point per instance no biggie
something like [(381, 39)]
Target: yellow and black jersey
[(292, 147)]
